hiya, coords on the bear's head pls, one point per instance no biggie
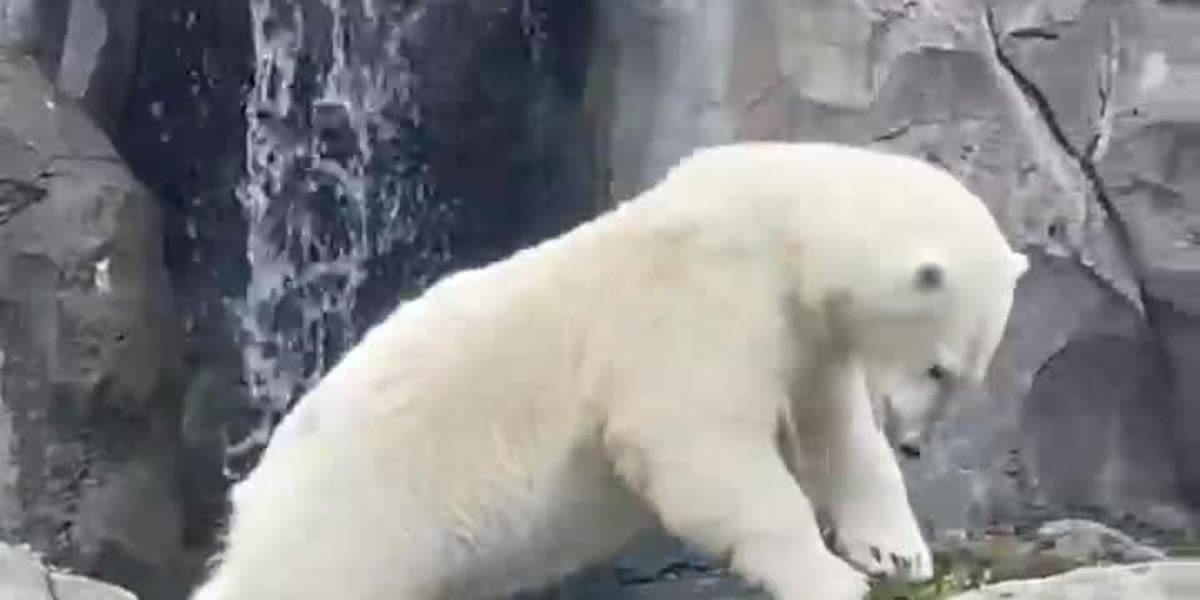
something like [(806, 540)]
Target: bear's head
[(918, 274), (907, 267), (941, 334)]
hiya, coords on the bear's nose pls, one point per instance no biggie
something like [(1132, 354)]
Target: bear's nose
[(910, 450)]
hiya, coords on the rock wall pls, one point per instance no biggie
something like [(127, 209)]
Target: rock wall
[(380, 156), (91, 457), (87, 338), (87, 48)]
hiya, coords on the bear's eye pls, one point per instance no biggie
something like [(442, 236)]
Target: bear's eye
[(938, 373)]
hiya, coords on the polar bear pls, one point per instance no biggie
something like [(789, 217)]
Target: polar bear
[(732, 355)]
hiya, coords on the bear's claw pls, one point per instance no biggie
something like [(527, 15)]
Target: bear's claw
[(886, 555)]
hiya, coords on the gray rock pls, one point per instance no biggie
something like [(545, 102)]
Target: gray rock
[(1167, 580), (89, 48), (1083, 540), (24, 577), (98, 57), (19, 24), (87, 411), (1148, 164), (1055, 547)]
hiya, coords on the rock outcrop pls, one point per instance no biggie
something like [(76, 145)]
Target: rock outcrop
[(1166, 580), (88, 346)]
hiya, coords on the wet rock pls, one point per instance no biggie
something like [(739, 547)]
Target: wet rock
[(379, 158), (88, 416), (1052, 548), (1147, 155), (87, 48), (183, 134)]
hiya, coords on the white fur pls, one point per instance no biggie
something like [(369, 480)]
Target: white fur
[(521, 420)]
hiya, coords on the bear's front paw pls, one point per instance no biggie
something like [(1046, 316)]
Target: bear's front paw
[(801, 572), (821, 577), (836, 580), (895, 552)]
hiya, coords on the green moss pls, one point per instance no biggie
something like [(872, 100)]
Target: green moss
[(945, 584)]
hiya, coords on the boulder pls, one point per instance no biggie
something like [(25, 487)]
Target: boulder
[(88, 352), (1055, 547), (1164, 580), (88, 48)]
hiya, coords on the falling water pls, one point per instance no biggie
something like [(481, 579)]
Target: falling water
[(332, 185)]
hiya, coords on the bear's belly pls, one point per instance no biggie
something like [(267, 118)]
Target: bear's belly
[(575, 516)]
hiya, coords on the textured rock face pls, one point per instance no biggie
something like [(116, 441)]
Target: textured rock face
[(1149, 163), (183, 133), (1076, 121), (86, 417), (1155, 581), (88, 47)]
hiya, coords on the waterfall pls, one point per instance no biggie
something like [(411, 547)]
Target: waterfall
[(333, 185)]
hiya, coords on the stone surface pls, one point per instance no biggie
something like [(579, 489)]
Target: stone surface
[(1055, 547), (183, 133), (1167, 580), (18, 24), (1148, 160), (88, 346), (88, 48), (1080, 540), (24, 577)]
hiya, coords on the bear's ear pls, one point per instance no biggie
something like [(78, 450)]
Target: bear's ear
[(930, 276)]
